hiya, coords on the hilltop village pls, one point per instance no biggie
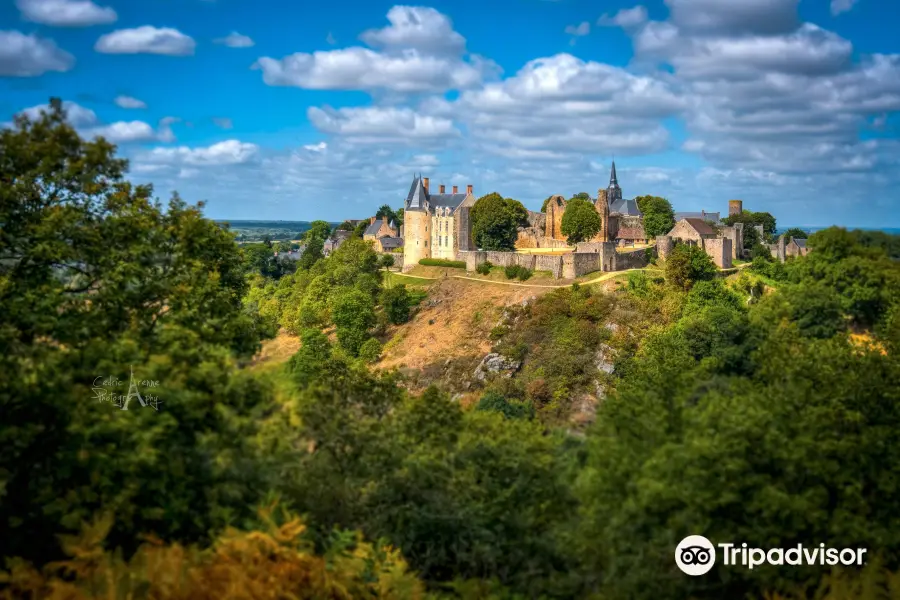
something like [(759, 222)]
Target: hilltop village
[(438, 225)]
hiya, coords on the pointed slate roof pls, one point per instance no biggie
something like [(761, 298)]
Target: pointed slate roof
[(613, 180), (417, 199), (373, 227)]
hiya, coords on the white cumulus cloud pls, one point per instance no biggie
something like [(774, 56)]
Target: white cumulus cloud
[(229, 152), (29, 55), (146, 40), (65, 13), (129, 102), (235, 40)]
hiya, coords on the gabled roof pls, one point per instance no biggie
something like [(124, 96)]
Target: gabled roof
[(801, 242), (625, 207), (708, 216), (446, 200), (700, 226), (373, 227), (391, 242)]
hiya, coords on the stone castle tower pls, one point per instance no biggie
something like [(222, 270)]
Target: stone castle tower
[(735, 207), (435, 225), (416, 224)]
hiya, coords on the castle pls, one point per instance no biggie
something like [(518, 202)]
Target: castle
[(621, 220), (435, 225)]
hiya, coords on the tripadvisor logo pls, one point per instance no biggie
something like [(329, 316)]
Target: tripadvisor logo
[(696, 555)]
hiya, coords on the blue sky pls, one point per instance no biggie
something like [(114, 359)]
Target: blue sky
[(297, 110)]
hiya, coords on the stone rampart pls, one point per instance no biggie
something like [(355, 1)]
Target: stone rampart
[(719, 250), (577, 264), (664, 246)]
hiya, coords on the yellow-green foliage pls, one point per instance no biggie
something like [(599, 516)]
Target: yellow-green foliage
[(274, 564), (873, 582)]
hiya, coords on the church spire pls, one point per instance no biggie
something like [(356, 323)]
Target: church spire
[(612, 175)]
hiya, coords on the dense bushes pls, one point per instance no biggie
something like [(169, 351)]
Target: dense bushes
[(484, 268), (518, 272), (441, 262)]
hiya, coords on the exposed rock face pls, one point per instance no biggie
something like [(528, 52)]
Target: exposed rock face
[(604, 359), (496, 363)]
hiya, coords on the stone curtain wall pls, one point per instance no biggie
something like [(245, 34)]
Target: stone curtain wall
[(566, 266), (633, 259), (719, 250), (464, 240), (578, 264)]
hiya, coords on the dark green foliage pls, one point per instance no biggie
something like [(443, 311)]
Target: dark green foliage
[(581, 196), (443, 262), (795, 233), (687, 264), (581, 221), (495, 222), (385, 212), (659, 216), (370, 351), (312, 360), (315, 243), (484, 268), (396, 302), (493, 401), (386, 261), (99, 280), (865, 278), (749, 219), (353, 315), (518, 272)]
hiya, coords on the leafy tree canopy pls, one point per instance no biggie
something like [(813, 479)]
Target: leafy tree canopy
[(659, 217), (581, 221), (495, 222)]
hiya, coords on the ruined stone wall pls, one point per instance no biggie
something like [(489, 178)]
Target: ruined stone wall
[(735, 234), (719, 250), (537, 220), (577, 264), (533, 238), (664, 246), (556, 207), (550, 263), (633, 259), (589, 247)]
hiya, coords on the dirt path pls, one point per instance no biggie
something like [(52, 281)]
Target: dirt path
[(601, 278)]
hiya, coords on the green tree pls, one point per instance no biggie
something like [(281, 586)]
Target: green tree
[(659, 217), (495, 222), (398, 216), (687, 264), (386, 261), (385, 212), (795, 233), (370, 351), (99, 279), (345, 226), (582, 196), (353, 314), (397, 302), (581, 221)]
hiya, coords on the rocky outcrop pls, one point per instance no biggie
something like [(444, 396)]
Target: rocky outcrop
[(603, 359), (493, 364)]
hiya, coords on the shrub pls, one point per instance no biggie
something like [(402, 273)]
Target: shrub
[(396, 302), (484, 268), (386, 261), (493, 402), (370, 351), (511, 271), (440, 262), (525, 274)]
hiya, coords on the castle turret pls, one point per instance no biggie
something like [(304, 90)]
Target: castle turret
[(416, 225)]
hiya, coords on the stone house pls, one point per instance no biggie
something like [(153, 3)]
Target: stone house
[(379, 228), (698, 232), (796, 247)]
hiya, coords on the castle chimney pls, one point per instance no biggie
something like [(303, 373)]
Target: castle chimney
[(371, 220), (469, 189), (425, 183), (442, 188), (455, 189)]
